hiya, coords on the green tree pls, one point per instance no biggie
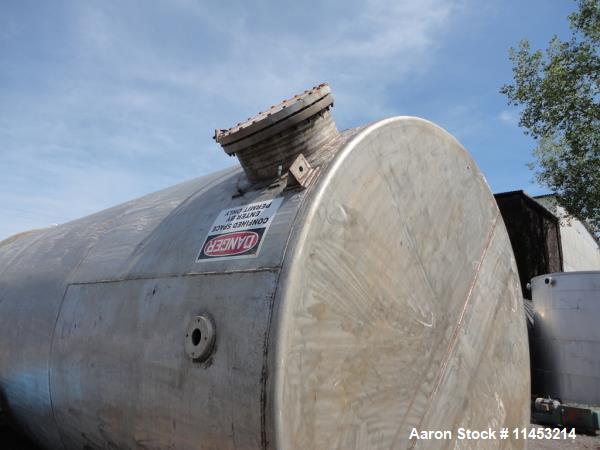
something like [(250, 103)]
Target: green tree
[(559, 95)]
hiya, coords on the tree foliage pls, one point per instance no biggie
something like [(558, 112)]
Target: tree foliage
[(559, 94)]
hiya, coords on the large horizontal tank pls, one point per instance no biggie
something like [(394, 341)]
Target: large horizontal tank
[(334, 292), (566, 336)]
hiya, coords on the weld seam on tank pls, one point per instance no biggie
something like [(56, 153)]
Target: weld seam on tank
[(49, 366), (126, 278), (333, 167), (454, 339), (261, 160), (343, 373), (266, 365), (273, 332), (179, 275)]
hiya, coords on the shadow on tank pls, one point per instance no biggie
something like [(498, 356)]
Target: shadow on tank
[(9, 438)]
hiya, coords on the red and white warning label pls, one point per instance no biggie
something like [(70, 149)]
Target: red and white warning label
[(239, 232)]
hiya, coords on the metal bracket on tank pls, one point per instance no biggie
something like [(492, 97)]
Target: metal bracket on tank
[(300, 172)]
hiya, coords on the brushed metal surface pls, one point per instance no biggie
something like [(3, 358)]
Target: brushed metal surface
[(35, 271), (399, 303), (566, 338), (384, 296), (120, 376)]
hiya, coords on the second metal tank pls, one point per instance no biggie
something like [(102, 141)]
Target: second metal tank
[(566, 339), (336, 291)]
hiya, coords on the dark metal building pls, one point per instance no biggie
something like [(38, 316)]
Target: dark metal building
[(534, 234)]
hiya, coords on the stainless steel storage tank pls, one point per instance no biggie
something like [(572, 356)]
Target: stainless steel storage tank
[(340, 290), (566, 343)]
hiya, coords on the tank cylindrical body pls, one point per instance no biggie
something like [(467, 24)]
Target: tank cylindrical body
[(379, 296), (566, 336)]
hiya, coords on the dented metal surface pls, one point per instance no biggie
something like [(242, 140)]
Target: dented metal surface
[(384, 296)]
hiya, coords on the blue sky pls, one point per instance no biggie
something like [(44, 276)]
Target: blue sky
[(104, 101)]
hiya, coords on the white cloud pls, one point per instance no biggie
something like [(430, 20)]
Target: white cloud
[(131, 105), (463, 120), (508, 117), (360, 48)]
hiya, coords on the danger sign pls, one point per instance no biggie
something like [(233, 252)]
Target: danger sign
[(231, 243), (238, 232)]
